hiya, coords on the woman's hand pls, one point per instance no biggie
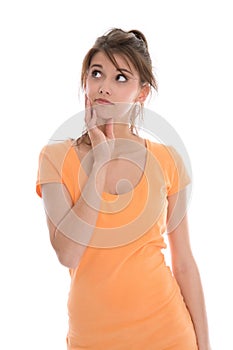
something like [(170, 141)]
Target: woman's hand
[(102, 144)]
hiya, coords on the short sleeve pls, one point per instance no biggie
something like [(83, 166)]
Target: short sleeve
[(51, 160), (178, 174)]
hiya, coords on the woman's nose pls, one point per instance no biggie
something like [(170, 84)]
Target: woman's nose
[(103, 91), (105, 88)]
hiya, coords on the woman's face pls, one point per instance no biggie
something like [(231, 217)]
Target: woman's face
[(109, 90)]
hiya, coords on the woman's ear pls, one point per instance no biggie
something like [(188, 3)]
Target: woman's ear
[(145, 90)]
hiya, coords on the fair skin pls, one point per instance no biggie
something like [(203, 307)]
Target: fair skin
[(105, 86)]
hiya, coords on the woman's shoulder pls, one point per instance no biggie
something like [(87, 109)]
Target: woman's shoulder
[(157, 147), (166, 154), (57, 154), (54, 148)]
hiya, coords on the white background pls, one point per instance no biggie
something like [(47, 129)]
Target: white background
[(42, 47)]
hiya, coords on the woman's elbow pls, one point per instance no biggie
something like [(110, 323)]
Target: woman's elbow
[(186, 266), (67, 260), (67, 256), (69, 253)]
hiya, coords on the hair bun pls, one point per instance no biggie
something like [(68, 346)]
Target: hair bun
[(139, 35)]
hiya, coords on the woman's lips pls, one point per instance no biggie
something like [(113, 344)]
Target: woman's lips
[(102, 101)]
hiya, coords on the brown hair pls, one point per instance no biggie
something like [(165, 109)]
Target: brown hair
[(133, 46)]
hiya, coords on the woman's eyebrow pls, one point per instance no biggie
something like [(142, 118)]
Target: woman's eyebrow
[(96, 65), (118, 69), (124, 70)]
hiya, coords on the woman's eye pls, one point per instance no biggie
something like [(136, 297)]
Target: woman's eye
[(121, 78), (96, 74)]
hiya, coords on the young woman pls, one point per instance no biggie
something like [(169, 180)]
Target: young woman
[(109, 197)]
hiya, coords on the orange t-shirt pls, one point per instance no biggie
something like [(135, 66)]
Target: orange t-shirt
[(122, 295)]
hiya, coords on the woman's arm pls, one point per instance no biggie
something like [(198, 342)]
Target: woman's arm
[(185, 268), (71, 226)]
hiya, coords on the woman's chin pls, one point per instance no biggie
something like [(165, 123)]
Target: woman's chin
[(117, 111)]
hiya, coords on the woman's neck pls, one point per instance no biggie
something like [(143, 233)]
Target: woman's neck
[(120, 130)]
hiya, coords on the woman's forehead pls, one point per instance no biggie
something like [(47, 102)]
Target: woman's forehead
[(121, 60)]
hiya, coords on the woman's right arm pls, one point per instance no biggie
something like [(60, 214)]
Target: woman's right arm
[(71, 226)]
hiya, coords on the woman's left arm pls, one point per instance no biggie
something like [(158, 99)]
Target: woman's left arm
[(185, 268)]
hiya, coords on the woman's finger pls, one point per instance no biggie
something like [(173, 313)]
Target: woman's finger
[(88, 110), (92, 119), (109, 128)]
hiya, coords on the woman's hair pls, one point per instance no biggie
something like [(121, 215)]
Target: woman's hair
[(133, 46)]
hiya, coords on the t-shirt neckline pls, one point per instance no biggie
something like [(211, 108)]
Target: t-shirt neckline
[(136, 188)]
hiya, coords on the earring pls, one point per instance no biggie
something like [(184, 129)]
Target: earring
[(136, 110)]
